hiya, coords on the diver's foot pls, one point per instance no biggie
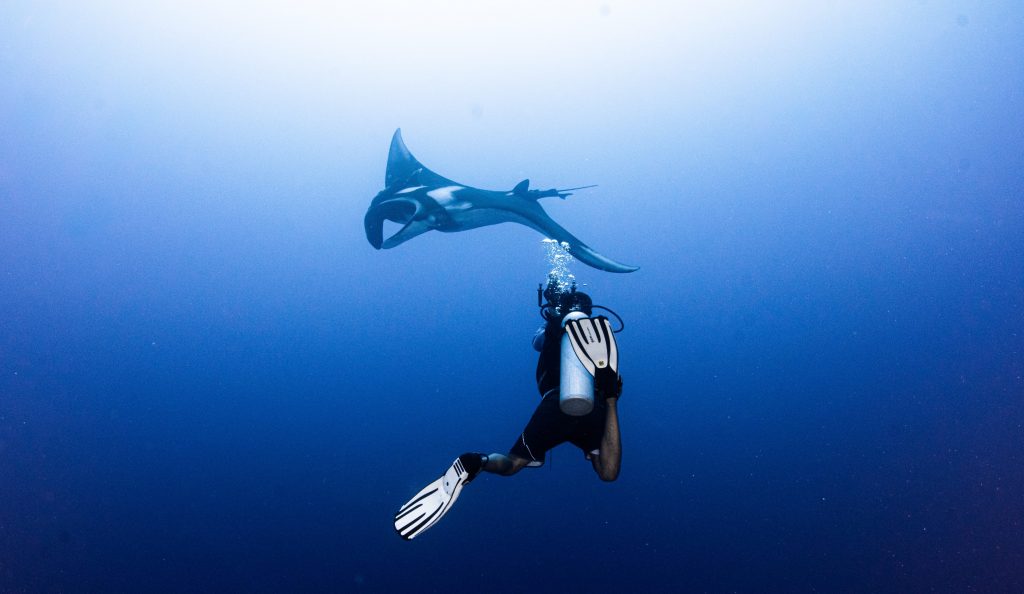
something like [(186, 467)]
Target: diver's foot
[(473, 463)]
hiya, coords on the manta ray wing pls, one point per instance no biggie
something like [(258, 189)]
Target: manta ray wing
[(538, 219), (402, 166)]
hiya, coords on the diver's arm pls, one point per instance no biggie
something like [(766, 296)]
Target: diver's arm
[(607, 463), (539, 337)]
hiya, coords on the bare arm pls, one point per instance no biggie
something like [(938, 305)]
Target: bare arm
[(607, 463)]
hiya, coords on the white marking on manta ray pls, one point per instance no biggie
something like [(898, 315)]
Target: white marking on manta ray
[(444, 194), (445, 198), (409, 189)]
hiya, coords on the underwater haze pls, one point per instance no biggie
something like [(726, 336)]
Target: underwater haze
[(210, 381)]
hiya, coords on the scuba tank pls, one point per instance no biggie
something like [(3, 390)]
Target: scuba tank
[(576, 384), (576, 388)]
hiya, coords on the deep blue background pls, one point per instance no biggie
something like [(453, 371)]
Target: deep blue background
[(209, 381)]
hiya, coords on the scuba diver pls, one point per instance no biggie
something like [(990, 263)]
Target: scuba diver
[(579, 384)]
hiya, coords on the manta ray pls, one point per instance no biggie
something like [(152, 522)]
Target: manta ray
[(422, 200)]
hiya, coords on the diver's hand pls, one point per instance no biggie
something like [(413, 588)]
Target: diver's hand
[(607, 383)]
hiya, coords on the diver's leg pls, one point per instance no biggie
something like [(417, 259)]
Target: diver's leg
[(504, 465), (541, 434), (475, 462)]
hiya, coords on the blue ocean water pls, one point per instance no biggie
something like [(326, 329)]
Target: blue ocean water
[(211, 382)]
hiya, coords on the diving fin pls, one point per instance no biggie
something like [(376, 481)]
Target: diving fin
[(594, 343), (434, 500)]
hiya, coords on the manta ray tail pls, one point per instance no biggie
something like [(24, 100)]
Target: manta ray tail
[(522, 189)]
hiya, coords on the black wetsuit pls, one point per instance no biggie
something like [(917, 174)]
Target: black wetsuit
[(549, 363), (549, 426)]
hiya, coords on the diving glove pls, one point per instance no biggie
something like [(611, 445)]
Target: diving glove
[(607, 383)]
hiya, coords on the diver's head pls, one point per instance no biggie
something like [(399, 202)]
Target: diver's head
[(576, 301), (553, 289), (561, 301)]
